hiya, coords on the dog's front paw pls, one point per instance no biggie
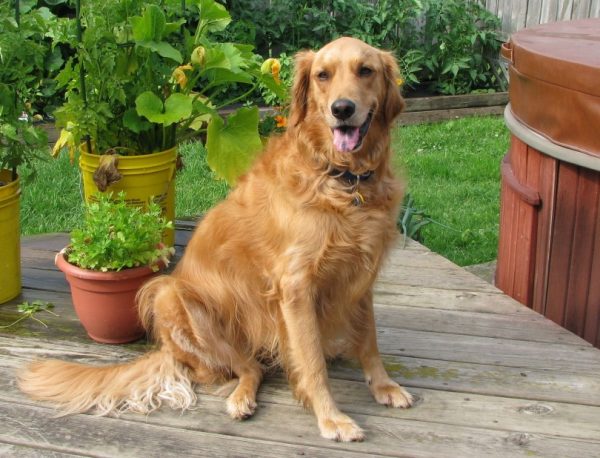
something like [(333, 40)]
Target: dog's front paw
[(341, 428), (391, 394), (240, 407)]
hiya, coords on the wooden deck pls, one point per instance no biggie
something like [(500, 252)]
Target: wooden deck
[(492, 379)]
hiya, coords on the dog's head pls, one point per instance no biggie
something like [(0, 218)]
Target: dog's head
[(346, 95)]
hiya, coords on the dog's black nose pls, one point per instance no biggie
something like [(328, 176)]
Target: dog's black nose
[(342, 109)]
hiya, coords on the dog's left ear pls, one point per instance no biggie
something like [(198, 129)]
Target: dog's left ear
[(393, 101), (300, 88)]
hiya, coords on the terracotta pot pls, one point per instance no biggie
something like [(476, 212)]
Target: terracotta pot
[(105, 301)]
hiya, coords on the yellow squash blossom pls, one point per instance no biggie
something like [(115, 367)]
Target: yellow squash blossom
[(272, 66), (198, 56), (179, 75), (67, 140)]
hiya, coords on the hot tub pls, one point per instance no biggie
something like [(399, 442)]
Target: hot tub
[(549, 241)]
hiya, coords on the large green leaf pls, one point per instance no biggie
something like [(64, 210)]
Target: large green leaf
[(213, 16), (280, 90), (149, 30), (173, 27), (134, 122), (215, 58), (9, 131), (176, 108), (232, 147), (163, 48), (203, 111), (150, 26)]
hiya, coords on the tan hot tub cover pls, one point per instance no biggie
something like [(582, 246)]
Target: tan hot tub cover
[(555, 82)]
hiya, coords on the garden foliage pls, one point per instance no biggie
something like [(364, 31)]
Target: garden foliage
[(145, 75), (448, 46), (24, 65)]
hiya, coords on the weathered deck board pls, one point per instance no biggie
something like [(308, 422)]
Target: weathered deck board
[(289, 429), (492, 378), (525, 423), (487, 379), (507, 326), (461, 409)]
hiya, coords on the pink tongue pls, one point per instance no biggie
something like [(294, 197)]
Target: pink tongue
[(345, 140)]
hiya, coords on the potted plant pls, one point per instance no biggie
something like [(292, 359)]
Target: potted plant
[(147, 76), (114, 251), (22, 54)]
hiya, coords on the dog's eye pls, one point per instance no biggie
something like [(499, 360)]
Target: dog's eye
[(365, 71), (323, 76)]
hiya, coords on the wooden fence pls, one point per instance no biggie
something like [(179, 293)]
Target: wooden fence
[(517, 14)]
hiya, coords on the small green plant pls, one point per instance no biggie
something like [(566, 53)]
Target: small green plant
[(29, 309), (115, 236), (411, 220), (285, 76)]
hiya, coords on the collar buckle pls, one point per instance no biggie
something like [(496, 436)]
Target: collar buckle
[(352, 180)]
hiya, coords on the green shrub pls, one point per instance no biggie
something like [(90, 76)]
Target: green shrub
[(23, 55), (286, 26), (460, 47), (450, 46)]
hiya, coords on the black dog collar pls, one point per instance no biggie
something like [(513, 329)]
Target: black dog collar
[(349, 177), (352, 180)]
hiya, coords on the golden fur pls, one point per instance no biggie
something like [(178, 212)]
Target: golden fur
[(280, 272)]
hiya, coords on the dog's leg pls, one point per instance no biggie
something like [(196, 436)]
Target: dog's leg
[(197, 339), (384, 389), (241, 403), (307, 362)]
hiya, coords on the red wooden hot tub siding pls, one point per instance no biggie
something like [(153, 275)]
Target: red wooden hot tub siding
[(549, 249)]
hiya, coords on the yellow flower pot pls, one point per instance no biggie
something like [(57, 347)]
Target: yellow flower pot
[(10, 238), (144, 177)]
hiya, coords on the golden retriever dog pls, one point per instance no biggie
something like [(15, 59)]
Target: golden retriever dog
[(280, 273)]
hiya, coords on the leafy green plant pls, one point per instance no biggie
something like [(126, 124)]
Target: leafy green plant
[(449, 45), (29, 309), (114, 235), (461, 46), (22, 65), (287, 26), (285, 75), (149, 75), (411, 220)]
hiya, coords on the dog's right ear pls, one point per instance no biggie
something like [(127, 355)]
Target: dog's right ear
[(298, 107), (394, 103)]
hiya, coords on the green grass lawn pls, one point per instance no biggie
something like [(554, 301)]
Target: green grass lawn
[(452, 170), (52, 201), (453, 173)]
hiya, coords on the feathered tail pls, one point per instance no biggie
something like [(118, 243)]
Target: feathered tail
[(142, 385)]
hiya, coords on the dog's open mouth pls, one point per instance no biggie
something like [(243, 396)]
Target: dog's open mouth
[(347, 139)]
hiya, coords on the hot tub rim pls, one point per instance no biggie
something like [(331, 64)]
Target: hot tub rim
[(546, 146)]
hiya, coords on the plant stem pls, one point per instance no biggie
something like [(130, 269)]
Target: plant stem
[(14, 322), (18, 21), (17, 13), (191, 135), (235, 99), (88, 142)]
